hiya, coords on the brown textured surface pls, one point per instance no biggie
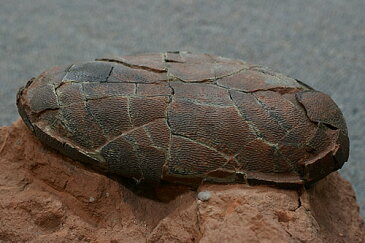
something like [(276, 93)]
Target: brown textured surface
[(47, 197), (220, 120)]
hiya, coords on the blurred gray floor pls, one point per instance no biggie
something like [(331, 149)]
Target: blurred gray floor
[(319, 42)]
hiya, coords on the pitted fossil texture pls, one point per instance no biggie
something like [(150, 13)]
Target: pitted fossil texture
[(187, 118)]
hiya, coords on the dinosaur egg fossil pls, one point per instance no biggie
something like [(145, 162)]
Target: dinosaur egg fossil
[(186, 118)]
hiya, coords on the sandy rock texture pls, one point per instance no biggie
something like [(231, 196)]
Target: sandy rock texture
[(47, 197)]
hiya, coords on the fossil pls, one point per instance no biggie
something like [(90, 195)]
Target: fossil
[(185, 118)]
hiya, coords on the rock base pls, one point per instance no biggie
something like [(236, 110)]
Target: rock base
[(47, 197)]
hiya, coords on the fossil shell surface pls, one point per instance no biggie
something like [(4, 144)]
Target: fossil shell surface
[(186, 118)]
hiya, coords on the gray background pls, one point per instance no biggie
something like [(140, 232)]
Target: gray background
[(319, 42)]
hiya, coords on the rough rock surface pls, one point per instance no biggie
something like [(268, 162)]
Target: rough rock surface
[(48, 197)]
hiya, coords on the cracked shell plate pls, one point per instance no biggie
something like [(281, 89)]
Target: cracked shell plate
[(187, 118)]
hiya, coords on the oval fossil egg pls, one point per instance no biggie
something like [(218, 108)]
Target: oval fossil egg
[(186, 118)]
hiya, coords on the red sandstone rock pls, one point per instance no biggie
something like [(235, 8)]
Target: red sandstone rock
[(46, 197)]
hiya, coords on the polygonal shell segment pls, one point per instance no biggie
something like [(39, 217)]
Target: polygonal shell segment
[(187, 118)]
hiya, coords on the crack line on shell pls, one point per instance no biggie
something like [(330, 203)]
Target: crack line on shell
[(287, 90), (39, 113), (213, 80), (225, 156), (297, 106), (110, 73), (88, 108), (268, 71), (269, 111), (251, 125), (165, 166), (172, 89), (303, 84), (56, 94), (61, 83), (151, 140), (292, 166), (135, 151), (329, 126), (199, 103), (135, 90), (68, 70), (159, 81), (208, 80), (318, 123), (134, 66), (118, 96), (129, 112), (272, 113), (127, 132)]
